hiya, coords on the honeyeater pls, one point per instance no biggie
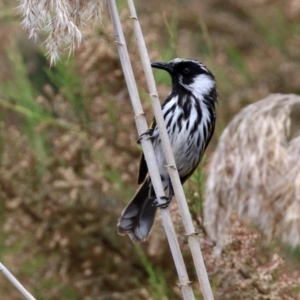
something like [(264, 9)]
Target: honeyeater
[(189, 114)]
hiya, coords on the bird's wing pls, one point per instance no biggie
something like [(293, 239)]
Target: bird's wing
[(143, 169)]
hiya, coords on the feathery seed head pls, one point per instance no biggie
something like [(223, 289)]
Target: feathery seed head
[(60, 20), (254, 173)]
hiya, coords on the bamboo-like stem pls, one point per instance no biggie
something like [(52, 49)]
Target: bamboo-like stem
[(179, 193), (16, 283), (141, 124)]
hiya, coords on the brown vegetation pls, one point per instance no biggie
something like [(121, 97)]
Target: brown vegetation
[(69, 157)]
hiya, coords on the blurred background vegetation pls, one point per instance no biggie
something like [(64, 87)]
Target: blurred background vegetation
[(69, 158)]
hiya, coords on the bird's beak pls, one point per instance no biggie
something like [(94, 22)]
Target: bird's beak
[(164, 66)]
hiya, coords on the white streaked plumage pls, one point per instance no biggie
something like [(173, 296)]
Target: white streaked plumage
[(180, 140), (189, 113)]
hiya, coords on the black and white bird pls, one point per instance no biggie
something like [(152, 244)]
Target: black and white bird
[(189, 114)]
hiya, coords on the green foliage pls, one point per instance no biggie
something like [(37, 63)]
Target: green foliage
[(162, 77), (172, 29), (237, 60), (207, 46), (65, 79), (159, 288), (19, 96), (170, 52), (278, 30), (66, 292), (292, 255), (194, 190)]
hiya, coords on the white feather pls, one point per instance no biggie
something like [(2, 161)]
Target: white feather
[(201, 86)]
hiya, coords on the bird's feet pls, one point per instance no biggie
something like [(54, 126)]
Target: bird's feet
[(162, 202), (146, 135)]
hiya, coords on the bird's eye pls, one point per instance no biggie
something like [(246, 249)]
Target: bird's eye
[(186, 71)]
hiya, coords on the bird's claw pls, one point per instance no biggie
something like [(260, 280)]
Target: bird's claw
[(162, 202), (146, 135)]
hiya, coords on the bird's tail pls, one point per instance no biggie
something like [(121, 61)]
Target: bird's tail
[(138, 216)]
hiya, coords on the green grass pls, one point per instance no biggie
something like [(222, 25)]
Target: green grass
[(277, 30), (159, 287), (172, 29), (237, 60), (64, 78), (19, 95)]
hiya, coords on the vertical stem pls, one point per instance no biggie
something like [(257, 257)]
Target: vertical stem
[(16, 283), (141, 124), (179, 193)]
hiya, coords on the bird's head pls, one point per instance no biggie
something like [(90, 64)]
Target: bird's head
[(188, 74)]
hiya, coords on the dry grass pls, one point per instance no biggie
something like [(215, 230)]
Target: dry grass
[(59, 210), (248, 269), (255, 169), (64, 204)]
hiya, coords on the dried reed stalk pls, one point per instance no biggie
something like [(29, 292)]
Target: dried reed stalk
[(255, 171), (16, 283), (193, 240), (141, 124)]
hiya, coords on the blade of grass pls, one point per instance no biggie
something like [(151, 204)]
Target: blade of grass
[(157, 281)]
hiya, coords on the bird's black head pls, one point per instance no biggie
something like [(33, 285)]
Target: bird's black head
[(188, 74)]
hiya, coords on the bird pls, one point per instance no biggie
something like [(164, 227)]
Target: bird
[(189, 112)]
